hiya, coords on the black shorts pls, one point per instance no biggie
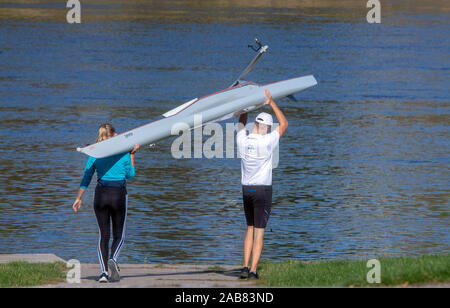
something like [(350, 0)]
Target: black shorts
[(257, 204)]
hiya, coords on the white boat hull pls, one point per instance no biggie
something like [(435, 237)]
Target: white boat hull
[(215, 107)]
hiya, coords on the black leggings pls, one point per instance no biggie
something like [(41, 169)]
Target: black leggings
[(110, 204)]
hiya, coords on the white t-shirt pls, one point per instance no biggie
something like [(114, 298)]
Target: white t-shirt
[(256, 153)]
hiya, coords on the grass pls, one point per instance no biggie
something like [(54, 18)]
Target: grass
[(394, 271), (24, 274)]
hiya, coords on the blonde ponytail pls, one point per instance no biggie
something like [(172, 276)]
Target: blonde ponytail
[(105, 131)]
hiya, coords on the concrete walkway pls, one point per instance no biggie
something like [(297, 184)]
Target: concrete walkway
[(159, 275), (31, 258)]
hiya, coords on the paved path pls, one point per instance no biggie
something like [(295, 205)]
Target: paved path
[(158, 275), (31, 258)]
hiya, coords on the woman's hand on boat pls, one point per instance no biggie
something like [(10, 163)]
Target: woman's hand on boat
[(134, 150)]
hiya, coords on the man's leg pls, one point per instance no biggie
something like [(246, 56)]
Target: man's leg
[(263, 203), (247, 196), (248, 245), (257, 247)]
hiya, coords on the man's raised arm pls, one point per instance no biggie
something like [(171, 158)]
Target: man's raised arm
[(243, 120), (278, 113)]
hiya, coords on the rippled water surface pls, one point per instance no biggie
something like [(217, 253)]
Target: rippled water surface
[(364, 166)]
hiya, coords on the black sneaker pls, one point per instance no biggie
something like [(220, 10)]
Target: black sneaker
[(244, 273), (103, 278), (113, 270), (253, 276)]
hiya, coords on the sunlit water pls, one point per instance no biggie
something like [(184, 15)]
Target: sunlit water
[(364, 166)]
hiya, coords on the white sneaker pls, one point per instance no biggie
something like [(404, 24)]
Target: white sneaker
[(103, 278), (114, 270)]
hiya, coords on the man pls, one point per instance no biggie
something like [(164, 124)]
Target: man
[(256, 167)]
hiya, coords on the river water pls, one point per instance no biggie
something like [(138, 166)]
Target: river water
[(364, 166)]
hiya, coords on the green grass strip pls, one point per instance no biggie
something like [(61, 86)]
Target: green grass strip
[(24, 274), (394, 271)]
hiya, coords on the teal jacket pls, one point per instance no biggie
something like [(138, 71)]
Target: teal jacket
[(112, 168)]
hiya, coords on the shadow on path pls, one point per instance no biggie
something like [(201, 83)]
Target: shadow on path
[(229, 273)]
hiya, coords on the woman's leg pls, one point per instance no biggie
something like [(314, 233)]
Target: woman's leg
[(102, 214), (118, 217)]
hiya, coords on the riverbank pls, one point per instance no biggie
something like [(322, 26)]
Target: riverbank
[(424, 271)]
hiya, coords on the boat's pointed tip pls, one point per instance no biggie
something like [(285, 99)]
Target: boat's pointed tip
[(313, 79)]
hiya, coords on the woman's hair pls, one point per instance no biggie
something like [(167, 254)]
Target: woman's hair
[(105, 131)]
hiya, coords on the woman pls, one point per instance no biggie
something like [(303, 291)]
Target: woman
[(110, 201)]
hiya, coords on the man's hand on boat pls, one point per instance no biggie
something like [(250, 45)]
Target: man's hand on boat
[(269, 99)]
